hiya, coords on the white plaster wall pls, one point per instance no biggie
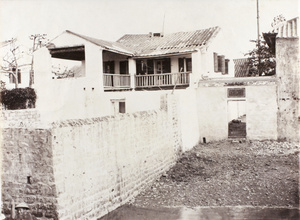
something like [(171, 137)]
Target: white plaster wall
[(197, 68), (220, 46), (188, 114), (67, 40), (261, 112), (212, 111)]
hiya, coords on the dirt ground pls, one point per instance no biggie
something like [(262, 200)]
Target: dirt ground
[(258, 173)]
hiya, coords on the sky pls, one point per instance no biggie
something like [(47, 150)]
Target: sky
[(111, 19)]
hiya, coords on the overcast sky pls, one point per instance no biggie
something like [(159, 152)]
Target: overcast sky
[(110, 19)]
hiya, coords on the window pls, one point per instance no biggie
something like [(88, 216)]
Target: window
[(151, 66), (109, 67), (124, 67), (220, 64), (118, 106), (185, 64), (226, 66), (122, 107), (12, 78), (163, 66), (141, 67)]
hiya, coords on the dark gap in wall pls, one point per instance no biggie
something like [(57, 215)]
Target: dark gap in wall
[(28, 179)]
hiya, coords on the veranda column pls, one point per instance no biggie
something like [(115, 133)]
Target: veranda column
[(132, 72), (94, 66), (196, 68)]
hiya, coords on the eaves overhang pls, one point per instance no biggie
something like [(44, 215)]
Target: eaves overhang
[(69, 53)]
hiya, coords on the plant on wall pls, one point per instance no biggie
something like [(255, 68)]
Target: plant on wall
[(261, 60), (18, 98)]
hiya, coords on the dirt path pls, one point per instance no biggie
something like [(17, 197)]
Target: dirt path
[(229, 174)]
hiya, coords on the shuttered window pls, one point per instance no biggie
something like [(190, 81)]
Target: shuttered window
[(220, 64), (216, 69)]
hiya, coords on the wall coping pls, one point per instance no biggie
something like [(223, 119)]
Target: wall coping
[(238, 81)]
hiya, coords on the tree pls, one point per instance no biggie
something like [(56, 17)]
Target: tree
[(12, 55), (10, 62), (261, 60), (277, 20)]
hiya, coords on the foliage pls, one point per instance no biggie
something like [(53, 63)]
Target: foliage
[(2, 85), (18, 98), (261, 60), (277, 20)]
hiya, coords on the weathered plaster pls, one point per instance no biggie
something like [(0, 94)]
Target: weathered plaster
[(288, 74)]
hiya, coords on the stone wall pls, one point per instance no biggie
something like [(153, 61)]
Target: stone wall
[(27, 171), (82, 169), (25, 118), (287, 70)]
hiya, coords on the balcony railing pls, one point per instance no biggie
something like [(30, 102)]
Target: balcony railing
[(122, 81), (116, 81), (162, 80)]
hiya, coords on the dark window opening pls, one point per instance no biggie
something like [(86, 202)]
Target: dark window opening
[(122, 108), (184, 64), (226, 66), (151, 66), (163, 66), (124, 67), (109, 67)]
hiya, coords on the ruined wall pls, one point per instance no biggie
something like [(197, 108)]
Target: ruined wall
[(27, 170), (288, 74), (100, 164)]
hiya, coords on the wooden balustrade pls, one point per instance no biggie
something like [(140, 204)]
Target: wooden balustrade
[(117, 81), (160, 80)]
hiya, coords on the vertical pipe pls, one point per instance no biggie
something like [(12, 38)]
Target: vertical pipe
[(258, 39)]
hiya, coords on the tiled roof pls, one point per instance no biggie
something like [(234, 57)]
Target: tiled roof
[(180, 42), (108, 45), (241, 67)]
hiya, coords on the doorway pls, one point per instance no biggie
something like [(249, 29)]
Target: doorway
[(237, 118)]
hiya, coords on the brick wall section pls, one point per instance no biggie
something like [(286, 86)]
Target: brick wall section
[(25, 118), (102, 163), (287, 70), (28, 154)]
